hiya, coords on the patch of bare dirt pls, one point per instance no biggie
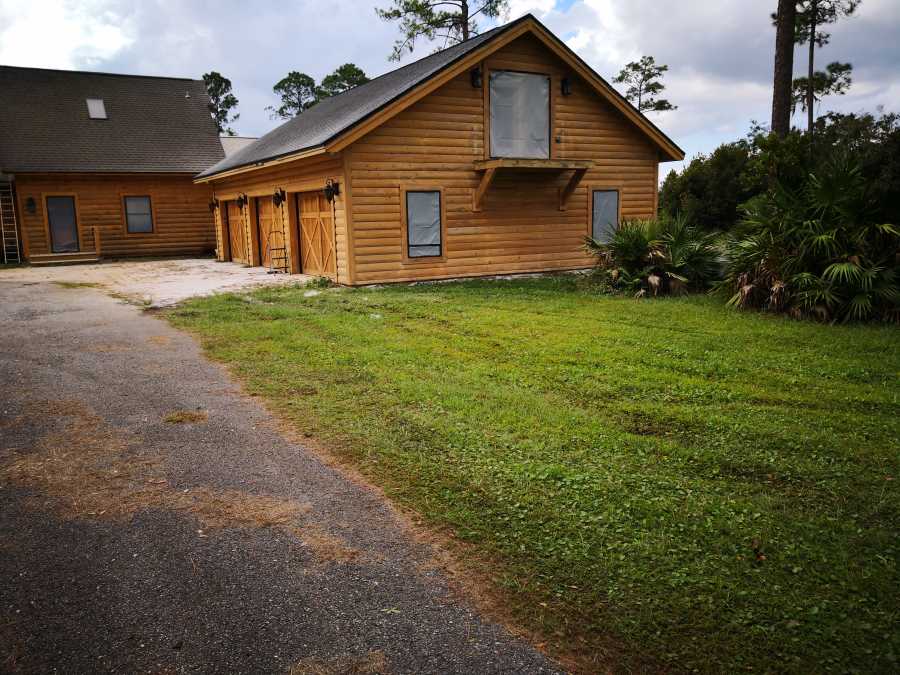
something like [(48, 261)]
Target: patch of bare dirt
[(159, 340), (373, 663), (90, 470)]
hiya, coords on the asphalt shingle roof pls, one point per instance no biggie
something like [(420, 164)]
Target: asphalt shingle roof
[(155, 124), (334, 115)]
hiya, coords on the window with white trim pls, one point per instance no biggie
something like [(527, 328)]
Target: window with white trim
[(138, 215), (604, 215), (520, 115), (423, 224)]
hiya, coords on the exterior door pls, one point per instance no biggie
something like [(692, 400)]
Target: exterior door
[(236, 232), (316, 234), (63, 224)]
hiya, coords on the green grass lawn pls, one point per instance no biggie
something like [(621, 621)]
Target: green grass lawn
[(665, 482)]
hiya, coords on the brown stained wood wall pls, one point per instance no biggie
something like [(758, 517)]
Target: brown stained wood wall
[(182, 222), (520, 228), (294, 177)]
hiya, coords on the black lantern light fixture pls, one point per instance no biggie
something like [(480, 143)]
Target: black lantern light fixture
[(332, 189), (566, 86), (475, 78), (279, 197), (213, 205), (31, 205), (242, 201)]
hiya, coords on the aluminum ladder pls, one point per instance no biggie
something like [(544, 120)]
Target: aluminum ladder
[(8, 228)]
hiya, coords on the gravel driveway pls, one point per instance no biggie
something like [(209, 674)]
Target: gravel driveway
[(155, 283), (154, 519)]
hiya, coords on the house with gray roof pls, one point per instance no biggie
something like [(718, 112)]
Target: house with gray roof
[(103, 164)]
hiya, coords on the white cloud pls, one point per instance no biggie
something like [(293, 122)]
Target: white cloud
[(519, 8), (60, 34)]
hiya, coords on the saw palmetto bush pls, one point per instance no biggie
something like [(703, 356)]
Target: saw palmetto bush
[(657, 257), (816, 249)]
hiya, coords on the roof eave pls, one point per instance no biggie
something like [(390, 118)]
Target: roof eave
[(101, 172), (254, 166)]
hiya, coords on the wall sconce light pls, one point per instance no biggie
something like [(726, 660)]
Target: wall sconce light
[(31, 205), (242, 201), (214, 205), (332, 190), (279, 197), (475, 78), (566, 86)]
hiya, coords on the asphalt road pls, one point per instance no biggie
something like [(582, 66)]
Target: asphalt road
[(154, 519)]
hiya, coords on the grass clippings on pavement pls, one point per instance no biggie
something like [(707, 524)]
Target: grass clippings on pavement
[(186, 417), (373, 663), (709, 489), (91, 471)]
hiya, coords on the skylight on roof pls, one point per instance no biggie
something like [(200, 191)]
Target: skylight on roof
[(96, 109)]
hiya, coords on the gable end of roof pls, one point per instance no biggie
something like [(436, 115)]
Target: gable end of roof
[(333, 123)]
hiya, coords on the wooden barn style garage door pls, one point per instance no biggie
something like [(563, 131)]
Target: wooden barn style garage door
[(236, 232), (269, 238), (316, 234)]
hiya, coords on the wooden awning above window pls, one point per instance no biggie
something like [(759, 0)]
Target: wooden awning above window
[(490, 167), (538, 164)]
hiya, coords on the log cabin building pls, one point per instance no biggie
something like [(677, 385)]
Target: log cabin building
[(498, 155), (93, 162)]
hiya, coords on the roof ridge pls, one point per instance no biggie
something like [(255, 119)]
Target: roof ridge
[(104, 74)]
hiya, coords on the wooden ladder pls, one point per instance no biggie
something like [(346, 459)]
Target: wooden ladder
[(8, 228), (278, 255)]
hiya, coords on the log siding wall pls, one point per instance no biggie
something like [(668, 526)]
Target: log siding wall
[(182, 222), (520, 227)]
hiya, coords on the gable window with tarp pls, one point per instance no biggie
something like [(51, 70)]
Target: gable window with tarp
[(520, 115)]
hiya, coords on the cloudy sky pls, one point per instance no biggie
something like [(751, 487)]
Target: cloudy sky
[(719, 51)]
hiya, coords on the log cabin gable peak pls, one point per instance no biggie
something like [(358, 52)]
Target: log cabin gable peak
[(528, 25), (489, 43)]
